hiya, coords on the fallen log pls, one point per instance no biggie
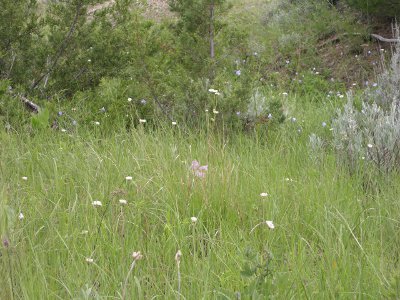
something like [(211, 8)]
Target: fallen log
[(33, 107), (385, 40)]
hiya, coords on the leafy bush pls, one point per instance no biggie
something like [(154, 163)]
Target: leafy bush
[(387, 8), (372, 133)]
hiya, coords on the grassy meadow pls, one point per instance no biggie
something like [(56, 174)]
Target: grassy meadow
[(138, 180), (333, 237)]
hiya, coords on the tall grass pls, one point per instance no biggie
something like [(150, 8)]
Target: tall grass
[(332, 238)]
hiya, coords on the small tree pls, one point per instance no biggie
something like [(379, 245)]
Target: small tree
[(198, 17)]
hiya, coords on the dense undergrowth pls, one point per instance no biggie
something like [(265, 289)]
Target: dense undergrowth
[(119, 66)]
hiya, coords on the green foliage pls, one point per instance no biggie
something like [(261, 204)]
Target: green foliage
[(387, 8), (329, 241), (18, 27), (41, 120), (13, 114)]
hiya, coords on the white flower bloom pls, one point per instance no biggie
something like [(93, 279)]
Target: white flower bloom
[(96, 203), (129, 99), (270, 224), (206, 110), (137, 255), (142, 121), (128, 178), (24, 178), (63, 130), (21, 216), (84, 232), (215, 111), (89, 60), (173, 123), (284, 94), (89, 260), (97, 123), (194, 220), (264, 194), (369, 146), (213, 91), (123, 202)]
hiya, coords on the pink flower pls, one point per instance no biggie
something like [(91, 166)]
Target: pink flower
[(199, 171)]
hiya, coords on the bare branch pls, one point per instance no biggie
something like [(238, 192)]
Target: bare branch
[(33, 107), (382, 39)]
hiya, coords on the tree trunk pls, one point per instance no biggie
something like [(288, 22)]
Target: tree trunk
[(212, 52)]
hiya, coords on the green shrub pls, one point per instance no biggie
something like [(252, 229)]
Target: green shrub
[(387, 8)]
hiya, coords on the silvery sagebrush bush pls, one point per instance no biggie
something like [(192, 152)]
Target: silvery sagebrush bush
[(372, 133)]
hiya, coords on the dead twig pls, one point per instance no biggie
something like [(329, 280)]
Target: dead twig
[(385, 40)]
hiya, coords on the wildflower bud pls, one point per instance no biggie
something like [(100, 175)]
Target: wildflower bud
[(89, 260), (194, 220), (24, 178), (178, 256), (21, 216), (6, 243), (137, 255), (264, 195), (128, 178)]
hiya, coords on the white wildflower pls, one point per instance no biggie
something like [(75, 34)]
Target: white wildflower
[(137, 255), (270, 224), (123, 202), (97, 203)]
